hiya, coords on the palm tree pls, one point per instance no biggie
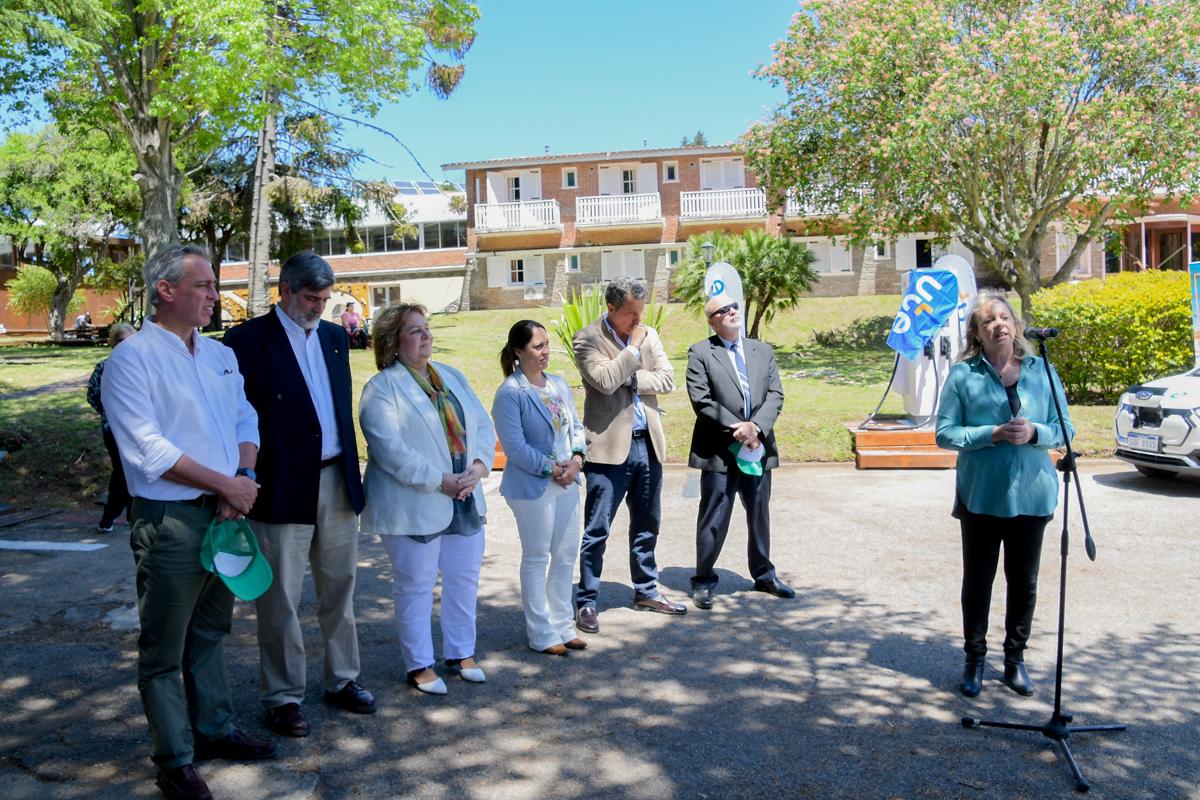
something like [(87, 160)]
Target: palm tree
[(776, 272)]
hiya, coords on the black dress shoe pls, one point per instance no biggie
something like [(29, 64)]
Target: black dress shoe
[(1017, 679), (182, 783), (660, 604), (352, 698), (702, 597), (774, 586), (587, 620), (237, 746), (286, 720), (972, 678)]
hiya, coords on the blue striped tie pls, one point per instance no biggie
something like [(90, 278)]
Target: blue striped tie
[(743, 377)]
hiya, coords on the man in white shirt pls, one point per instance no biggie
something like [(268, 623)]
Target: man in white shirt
[(188, 442), (297, 372)]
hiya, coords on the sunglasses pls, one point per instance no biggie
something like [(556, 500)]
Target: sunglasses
[(723, 310)]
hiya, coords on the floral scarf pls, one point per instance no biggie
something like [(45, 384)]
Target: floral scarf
[(436, 391)]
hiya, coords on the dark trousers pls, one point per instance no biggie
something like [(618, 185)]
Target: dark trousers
[(639, 482), (717, 491), (185, 615), (118, 491), (982, 536)]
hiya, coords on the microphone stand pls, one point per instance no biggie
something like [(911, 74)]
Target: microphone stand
[(1058, 727)]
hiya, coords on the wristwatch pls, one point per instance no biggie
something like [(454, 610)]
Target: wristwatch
[(248, 472)]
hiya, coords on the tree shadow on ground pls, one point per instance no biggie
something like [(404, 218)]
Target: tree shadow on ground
[(828, 695)]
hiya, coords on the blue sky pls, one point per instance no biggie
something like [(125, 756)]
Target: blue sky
[(587, 76)]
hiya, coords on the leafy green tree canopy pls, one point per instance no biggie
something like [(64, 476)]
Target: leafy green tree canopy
[(988, 120), (776, 272), (64, 197)]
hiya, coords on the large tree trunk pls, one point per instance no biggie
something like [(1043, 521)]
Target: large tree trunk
[(60, 306), (159, 181), (260, 218)]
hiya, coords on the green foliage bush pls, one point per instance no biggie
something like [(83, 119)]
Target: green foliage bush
[(864, 333), (1126, 329)]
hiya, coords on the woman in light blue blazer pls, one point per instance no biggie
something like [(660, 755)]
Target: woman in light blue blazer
[(543, 440), (998, 413)]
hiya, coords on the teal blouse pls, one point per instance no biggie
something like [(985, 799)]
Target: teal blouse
[(1002, 479)]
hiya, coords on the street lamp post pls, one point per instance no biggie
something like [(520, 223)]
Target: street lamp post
[(707, 248)]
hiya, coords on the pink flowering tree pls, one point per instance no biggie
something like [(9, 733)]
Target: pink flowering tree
[(994, 121)]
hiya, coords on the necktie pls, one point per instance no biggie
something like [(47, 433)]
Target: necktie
[(743, 376)]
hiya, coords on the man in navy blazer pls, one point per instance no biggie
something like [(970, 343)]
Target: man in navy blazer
[(733, 383), (296, 369)]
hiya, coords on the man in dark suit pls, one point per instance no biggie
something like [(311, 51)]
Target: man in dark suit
[(297, 373), (735, 390)]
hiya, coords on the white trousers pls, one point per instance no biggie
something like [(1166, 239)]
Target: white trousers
[(415, 569), (549, 531)]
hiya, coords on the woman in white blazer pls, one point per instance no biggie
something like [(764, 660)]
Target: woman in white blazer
[(429, 445), (544, 446)]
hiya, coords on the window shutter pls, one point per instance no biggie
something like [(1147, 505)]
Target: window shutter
[(610, 180), (839, 258), (497, 272), (497, 191), (535, 270), (734, 174), (710, 174), (647, 178), (906, 253), (531, 185)]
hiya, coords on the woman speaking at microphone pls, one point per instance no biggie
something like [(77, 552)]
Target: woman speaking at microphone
[(996, 410)]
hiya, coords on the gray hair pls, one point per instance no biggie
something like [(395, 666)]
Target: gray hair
[(167, 265), (306, 270), (624, 288)]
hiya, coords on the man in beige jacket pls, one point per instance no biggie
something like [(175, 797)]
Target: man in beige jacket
[(624, 368)]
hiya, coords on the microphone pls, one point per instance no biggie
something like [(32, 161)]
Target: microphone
[(1040, 334)]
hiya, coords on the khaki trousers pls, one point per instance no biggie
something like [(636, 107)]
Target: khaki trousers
[(331, 547), (185, 614)]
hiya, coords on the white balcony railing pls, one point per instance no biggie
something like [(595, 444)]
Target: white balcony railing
[(618, 209), (522, 216), (723, 204)]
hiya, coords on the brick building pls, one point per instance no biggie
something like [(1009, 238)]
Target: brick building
[(540, 226)]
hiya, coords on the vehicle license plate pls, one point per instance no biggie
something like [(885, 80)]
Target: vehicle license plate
[(1143, 441)]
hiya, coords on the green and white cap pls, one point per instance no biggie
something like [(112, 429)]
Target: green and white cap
[(230, 551)]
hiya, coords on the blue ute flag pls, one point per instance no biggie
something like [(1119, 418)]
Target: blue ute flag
[(930, 299)]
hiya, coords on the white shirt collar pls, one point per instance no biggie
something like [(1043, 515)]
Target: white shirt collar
[(290, 325)]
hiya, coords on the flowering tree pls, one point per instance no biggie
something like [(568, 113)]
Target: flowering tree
[(988, 120)]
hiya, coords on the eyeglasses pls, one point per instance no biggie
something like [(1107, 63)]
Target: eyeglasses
[(723, 310)]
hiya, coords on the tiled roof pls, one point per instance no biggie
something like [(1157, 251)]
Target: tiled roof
[(610, 155)]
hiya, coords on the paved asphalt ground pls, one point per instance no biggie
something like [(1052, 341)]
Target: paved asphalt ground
[(848, 691)]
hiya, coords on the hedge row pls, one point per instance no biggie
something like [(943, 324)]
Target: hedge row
[(1125, 329)]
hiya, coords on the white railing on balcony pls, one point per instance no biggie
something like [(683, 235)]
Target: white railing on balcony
[(618, 209), (723, 204), (523, 216)]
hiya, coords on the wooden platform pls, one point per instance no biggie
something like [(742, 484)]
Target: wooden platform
[(898, 448)]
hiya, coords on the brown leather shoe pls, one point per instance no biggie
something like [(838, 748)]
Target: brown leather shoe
[(555, 650), (237, 746), (352, 698), (182, 783), (660, 604), (575, 644), (587, 620), (286, 720)]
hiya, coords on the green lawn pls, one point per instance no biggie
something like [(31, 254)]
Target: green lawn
[(57, 456)]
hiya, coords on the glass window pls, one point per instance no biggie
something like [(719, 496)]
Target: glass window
[(573, 262), (411, 241), (670, 171), (514, 188), (672, 257), (881, 250), (337, 242), (433, 239), (629, 181), (376, 238), (460, 232), (516, 272), (570, 178), (6, 252)]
